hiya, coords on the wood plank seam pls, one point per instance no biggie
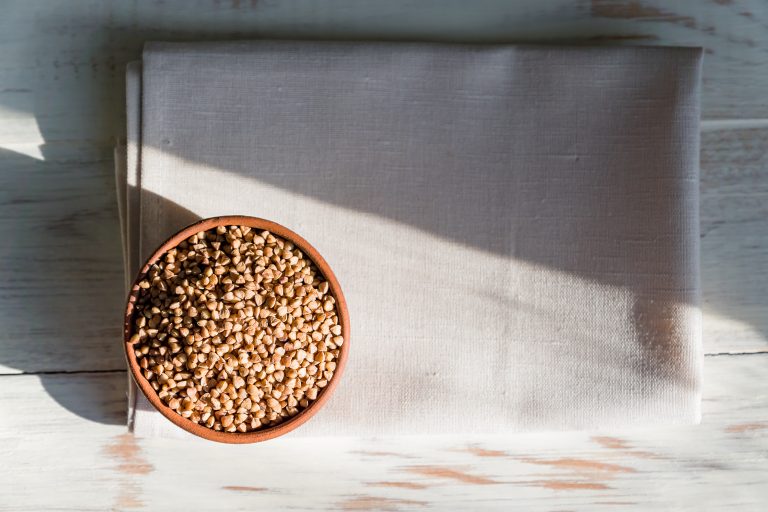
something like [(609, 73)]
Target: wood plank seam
[(65, 372)]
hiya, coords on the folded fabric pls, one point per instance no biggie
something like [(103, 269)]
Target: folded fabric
[(515, 228)]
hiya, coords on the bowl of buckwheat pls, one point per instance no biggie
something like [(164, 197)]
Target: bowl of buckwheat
[(236, 330)]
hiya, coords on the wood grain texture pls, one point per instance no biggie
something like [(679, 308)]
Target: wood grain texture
[(95, 465)]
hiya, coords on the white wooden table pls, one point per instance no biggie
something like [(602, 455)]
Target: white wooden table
[(63, 442)]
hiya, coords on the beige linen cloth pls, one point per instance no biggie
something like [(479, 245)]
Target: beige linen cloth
[(515, 228)]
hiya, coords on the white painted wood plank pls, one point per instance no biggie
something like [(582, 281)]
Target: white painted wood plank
[(62, 64), (55, 458), (61, 284), (734, 239)]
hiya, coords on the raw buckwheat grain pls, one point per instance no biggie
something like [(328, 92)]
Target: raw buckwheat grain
[(236, 330)]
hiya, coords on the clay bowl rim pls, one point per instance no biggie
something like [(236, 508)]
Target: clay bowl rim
[(258, 435)]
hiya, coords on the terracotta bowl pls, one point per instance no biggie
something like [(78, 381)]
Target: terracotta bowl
[(258, 435)]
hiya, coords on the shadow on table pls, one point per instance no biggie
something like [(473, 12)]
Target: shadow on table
[(62, 285)]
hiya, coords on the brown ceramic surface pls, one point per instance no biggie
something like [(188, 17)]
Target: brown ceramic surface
[(270, 432)]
